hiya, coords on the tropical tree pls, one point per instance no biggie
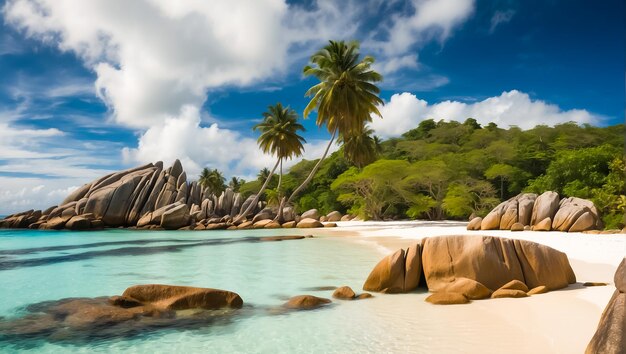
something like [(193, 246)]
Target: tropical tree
[(279, 137), (213, 180), (360, 148), (345, 98), (235, 183), (263, 174)]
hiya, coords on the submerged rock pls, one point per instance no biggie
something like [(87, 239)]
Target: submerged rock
[(170, 297), (344, 293), (141, 308), (306, 302)]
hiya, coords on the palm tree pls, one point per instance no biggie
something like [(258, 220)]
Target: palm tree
[(345, 98), (263, 174), (213, 180), (236, 183), (279, 137), (361, 148)]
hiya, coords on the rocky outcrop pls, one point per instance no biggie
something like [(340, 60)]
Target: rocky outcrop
[(528, 209), (140, 309), (610, 337), (151, 197), (143, 196), (474, 266)]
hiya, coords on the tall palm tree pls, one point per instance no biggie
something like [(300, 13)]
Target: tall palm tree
[(235, 183), (360, 147), (213, 180), (345, 98), (279, 137)]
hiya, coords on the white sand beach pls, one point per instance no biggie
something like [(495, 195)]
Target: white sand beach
[(557, 322)]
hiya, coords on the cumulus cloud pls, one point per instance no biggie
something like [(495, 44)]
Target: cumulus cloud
[(404, 111), (156, 61), (429, 19), (182, 137)]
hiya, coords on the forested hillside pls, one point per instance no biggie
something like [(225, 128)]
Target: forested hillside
[(449, 170)]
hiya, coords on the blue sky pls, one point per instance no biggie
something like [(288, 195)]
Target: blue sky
[(91, 87)]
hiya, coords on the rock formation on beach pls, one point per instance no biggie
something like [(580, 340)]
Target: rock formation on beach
[(476, 267), (541, 213), (139, 309), (610, 337), (151, 197)]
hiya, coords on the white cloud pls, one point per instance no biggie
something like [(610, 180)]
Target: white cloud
[(17, 194), (182, 137), (430, 19), (500, 17), (404, 111), (156, 61)]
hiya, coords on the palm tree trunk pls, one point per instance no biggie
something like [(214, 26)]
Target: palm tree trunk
[(279, 215), (256, 198), (315, 168), (280, 178)]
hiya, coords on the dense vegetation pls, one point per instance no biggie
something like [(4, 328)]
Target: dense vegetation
[(450, 170), (438, 170)]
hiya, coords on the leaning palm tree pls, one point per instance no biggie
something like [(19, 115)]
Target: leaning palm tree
[(279, 137), (345, 98), (360, 147)]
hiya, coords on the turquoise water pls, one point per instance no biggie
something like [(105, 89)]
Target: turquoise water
[(37, 266)]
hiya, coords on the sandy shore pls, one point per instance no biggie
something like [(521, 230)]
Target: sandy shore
[(558, 322)]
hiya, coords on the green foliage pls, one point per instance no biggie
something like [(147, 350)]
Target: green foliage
[(373, 189), (213, 180), (455, 169)]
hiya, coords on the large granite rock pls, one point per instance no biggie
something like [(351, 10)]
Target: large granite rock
[(139, 196), (311, 214), (175, 217), (308, 224), (474, 266), (388, 275), (546, 206), (568, 214), (576, 214), (334, 216), (610, 337)]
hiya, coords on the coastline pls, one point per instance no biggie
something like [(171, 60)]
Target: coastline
[(563, 321)]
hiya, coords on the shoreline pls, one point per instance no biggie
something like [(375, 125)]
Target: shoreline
[(563, 320)]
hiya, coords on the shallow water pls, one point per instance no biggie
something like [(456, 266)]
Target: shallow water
[(48, 265)]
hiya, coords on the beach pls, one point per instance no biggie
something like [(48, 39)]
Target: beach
[(558, 322)]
